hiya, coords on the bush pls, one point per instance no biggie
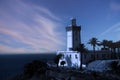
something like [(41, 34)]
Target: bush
[(35, 67), (114, 65)]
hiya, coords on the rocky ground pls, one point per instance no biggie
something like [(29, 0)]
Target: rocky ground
[(38, 70)]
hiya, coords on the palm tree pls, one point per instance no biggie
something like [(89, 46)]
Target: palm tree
[(81, 49), (104, 43), (110, 45), (93, 41)]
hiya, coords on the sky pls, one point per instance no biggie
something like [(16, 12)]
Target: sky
[(38, 26)]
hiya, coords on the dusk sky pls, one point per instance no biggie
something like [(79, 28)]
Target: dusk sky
[(37, 26)]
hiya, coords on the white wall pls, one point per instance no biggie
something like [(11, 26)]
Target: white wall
[(72, 58), (69, 40)]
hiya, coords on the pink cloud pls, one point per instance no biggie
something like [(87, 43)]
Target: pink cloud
[(40, 33), (7, 49)]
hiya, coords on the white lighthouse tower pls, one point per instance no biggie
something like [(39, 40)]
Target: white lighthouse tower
[(71, 57), (73, 36)]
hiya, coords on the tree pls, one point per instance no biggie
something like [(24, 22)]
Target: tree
[(104, 43), (93, 41), (81, 49), (110, 45), (56, 59), (62, 63), (114, 66), (35, 67)]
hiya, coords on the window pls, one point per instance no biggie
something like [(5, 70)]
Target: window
[(76, 56)]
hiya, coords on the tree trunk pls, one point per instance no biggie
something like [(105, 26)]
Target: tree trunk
[(94, 52), (81, 62)]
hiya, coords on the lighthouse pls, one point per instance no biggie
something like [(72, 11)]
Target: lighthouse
[(71, 57), (73, 36)]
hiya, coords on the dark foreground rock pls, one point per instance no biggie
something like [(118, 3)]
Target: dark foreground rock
[(38, 70)]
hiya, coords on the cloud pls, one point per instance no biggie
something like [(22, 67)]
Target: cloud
[(7, 49), (113, 31), (115, 28), (34, 27)]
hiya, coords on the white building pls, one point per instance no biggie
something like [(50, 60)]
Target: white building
[(70, 56)]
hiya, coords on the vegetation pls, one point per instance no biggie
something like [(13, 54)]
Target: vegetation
[(41, 70), (35, 67), (81, 49), (93, 41), (115, 67), (56, 59), (105, 44), (54, 73), (113, 47)]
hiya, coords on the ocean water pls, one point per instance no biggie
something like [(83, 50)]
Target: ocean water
[(13, 64)]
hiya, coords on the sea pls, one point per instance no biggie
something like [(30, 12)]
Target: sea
[(13, 64)]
